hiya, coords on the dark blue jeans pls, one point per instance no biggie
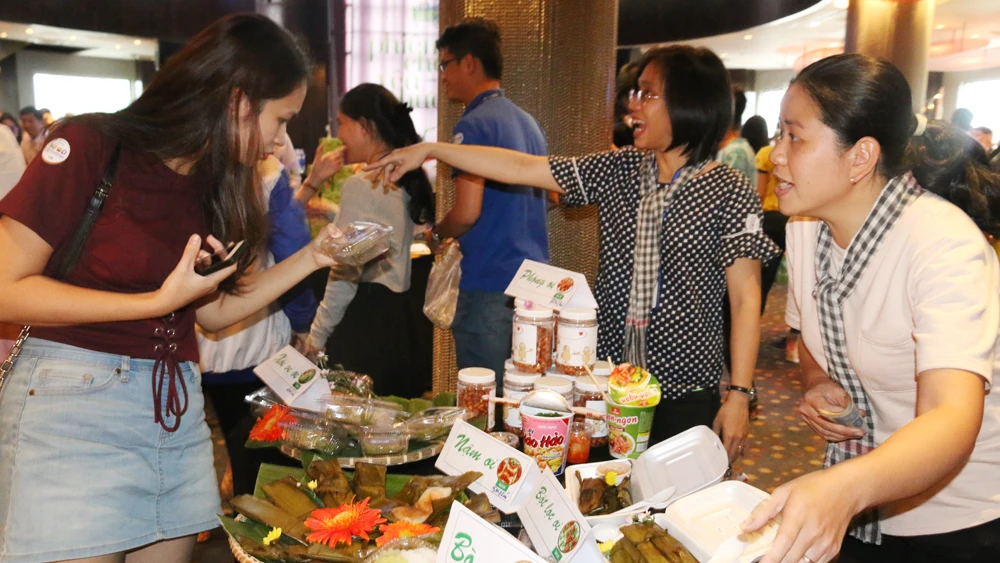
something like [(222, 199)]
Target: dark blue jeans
[(482, 330)]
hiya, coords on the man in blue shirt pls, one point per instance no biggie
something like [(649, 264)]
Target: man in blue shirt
[(497, 225)]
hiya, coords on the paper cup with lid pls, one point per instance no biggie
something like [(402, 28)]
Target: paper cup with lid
[(545, 419)]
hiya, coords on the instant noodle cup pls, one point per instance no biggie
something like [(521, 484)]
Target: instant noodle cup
[(633, 386), (545, 421), (628, 429)]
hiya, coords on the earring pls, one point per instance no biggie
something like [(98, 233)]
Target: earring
[(853, 181)]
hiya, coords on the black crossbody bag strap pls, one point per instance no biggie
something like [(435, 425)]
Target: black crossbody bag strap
[(79, 240)]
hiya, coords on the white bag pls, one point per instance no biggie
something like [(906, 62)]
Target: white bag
[(441, 298)]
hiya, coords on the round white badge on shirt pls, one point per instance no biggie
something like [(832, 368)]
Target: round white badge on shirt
[(458, 138), (753, 223), (56, 151)]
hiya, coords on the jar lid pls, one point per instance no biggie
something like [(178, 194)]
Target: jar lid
[(603, 368), (534, 313), (554, 384), (520, 377), (578, 314), (508, 364), (477, 376), (585, 384), (553, 371)]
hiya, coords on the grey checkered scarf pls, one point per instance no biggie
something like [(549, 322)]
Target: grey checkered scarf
[(830, 294), (653, 203)]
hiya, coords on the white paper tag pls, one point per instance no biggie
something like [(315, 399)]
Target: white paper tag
[(509, 477), (289, 374), (467, 538), (56, 151), (753, 223), (551, 287), (554, 523)]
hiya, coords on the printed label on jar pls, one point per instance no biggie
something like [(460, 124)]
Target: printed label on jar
[(525, 343), (576, 346), (512, 414), (598, 427)]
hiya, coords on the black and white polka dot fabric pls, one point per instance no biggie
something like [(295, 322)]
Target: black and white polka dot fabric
[(712, 221)]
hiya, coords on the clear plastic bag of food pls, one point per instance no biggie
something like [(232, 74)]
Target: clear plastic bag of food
[(360, 411), (359, 243), (441, 298)]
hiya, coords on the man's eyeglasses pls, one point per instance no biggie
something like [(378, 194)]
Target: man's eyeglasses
[(642, 96), (444, 64)]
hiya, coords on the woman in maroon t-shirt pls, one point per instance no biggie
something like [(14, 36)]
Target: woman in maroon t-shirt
[(103, 443)]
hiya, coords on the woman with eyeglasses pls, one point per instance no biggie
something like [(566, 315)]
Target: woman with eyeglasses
[(678, 232)]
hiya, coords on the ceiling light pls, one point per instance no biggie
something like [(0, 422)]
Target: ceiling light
[(137, 42), (72, 38), (974, 36), (748, 37), (3, 35), (723, 55), (29, 31), (118, 46), (939, 26), (841, 4), (814, 24), (834, 44), (930, 106)]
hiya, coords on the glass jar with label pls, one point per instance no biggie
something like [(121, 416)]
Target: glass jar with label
[(516, 384), (576, 341), (557, 384), (532, 340), (590, 396), (475, 387)]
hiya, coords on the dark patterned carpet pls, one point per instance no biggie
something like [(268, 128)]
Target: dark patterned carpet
[(781, 446)]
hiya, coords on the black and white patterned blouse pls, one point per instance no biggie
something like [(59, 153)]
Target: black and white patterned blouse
[(712, 221)]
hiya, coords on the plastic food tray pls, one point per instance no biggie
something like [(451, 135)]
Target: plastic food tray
[(359, 243), (703, 520), (690, 461)]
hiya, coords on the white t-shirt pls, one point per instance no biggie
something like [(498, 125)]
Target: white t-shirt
[(930, 298), (11, 161)]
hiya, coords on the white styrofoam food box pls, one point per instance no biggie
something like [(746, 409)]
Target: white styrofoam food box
[(692, 460), (703, 520)]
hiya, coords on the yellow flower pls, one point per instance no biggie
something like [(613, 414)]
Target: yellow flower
[(606, 546), (272, 536), (610, 478), (312, 485)]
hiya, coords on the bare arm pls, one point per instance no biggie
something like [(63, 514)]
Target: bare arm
[(911, 461), (733, 420), (468, 206), (29, 297), (501, 165)]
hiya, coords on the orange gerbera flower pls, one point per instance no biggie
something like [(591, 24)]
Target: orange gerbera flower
[(333, 525), (267, 429), (403, 529)]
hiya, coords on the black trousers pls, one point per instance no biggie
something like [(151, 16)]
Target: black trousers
[(675, 416), (979, 544)]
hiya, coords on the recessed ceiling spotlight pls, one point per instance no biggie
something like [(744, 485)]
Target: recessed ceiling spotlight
[(30, 30), (974, 36), (117, 46), (814, 24), (3, 35), (841, 4), (939, 26), (137, 42), (72, 38), (723, 55), (834, 44), (748, 37)]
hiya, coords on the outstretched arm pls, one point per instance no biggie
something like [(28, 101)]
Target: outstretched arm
[(501, 165)]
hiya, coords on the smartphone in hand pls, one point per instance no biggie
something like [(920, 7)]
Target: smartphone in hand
[(219, 263)]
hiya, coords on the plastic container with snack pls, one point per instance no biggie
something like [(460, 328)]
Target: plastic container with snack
[(532, 342), (434, 422), (576, 341), (359, 243)]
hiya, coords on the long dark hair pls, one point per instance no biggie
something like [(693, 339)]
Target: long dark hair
[(188, 112), (755, 132), (388, 120), (863, 96)]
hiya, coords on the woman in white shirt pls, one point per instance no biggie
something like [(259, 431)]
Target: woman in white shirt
[(372, 122), (897, 295)]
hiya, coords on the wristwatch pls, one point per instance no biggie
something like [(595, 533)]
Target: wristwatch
[(752, 391)]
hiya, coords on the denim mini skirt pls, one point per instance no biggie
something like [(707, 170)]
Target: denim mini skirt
[(84, 468)]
